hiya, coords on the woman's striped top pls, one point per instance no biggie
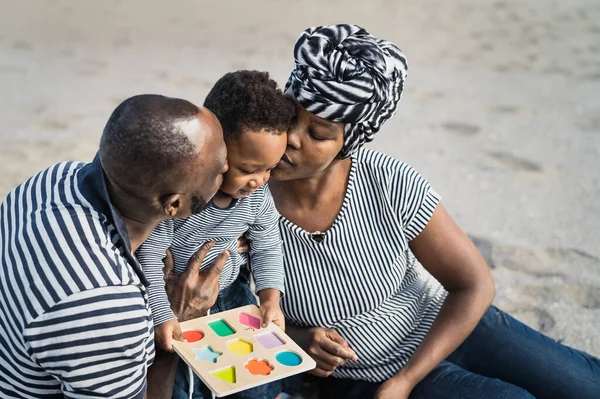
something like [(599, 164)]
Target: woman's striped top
[(255, 216), (362, 280)]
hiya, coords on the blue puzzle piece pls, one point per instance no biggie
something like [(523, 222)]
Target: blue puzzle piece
[(207, 353)]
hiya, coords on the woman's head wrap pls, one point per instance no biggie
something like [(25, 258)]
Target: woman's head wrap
[(344, 74)]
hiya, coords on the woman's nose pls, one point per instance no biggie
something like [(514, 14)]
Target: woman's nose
[(293, 138)]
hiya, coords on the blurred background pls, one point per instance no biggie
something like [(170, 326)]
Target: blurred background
[(501, 111)]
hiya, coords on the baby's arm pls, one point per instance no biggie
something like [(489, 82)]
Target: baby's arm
[(266, 256), (150, 255)]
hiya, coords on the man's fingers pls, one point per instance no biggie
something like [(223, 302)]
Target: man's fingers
[(214, 271), (168, 262), (195, 262)]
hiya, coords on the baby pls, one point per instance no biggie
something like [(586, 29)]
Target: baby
[(255, 117)]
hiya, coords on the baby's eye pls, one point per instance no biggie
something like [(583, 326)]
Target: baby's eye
[(246, 172)]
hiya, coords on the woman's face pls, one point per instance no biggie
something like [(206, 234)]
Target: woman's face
[(312, 144)]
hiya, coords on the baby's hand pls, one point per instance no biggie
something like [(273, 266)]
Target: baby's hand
[(271, 312), (165, 333)]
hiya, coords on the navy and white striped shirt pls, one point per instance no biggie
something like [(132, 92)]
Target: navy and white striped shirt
[(255, 216), (362, 280), (74, 315)]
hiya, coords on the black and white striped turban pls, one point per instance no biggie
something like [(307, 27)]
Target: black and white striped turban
[(344, 74)]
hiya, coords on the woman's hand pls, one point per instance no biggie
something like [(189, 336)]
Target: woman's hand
[(326, 346), (394, 388)]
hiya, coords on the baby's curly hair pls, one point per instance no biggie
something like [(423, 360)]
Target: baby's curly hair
[(250, 100)]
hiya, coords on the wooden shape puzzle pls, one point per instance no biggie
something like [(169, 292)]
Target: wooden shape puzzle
[(231, 352)]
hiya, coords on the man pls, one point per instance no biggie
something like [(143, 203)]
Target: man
[(74, 315)]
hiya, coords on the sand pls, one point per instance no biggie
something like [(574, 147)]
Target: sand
[(501, 112)]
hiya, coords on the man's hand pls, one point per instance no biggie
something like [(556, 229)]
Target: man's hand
[(165, 333), (194, 292)]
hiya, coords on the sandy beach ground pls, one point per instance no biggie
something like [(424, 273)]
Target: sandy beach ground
[(501, 111)]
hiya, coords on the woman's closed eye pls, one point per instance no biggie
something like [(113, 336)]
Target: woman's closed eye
[(316, 136)]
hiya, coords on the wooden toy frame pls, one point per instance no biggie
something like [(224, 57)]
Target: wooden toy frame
[(237, 349)]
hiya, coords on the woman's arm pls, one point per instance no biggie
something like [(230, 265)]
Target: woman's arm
[(450, 256)]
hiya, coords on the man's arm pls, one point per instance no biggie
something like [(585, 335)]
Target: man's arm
[(97, 343)]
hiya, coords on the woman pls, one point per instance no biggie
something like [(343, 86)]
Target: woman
[(353, 221)]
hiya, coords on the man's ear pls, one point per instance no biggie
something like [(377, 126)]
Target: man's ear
[(171, 204)]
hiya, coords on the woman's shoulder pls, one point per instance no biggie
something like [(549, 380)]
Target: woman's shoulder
[(381, 165)]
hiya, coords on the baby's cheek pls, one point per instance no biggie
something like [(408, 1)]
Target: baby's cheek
[(231, 181), (241, 182)]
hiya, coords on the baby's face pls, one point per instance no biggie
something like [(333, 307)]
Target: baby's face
[(251, 156)]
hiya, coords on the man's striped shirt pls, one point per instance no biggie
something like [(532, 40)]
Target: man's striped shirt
[(255, 216), (362, 279), (74, 315)]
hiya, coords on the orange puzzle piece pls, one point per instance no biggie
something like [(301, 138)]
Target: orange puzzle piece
[(261, 367)]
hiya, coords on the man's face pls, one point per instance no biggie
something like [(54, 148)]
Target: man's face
[(207, 185), (202, 177), (198, 205)]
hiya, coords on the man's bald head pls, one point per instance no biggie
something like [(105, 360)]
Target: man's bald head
[(154, 147)]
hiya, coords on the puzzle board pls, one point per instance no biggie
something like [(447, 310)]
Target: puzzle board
[(231, 352)]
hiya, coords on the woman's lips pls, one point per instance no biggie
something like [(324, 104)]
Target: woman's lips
[(284, 161)]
